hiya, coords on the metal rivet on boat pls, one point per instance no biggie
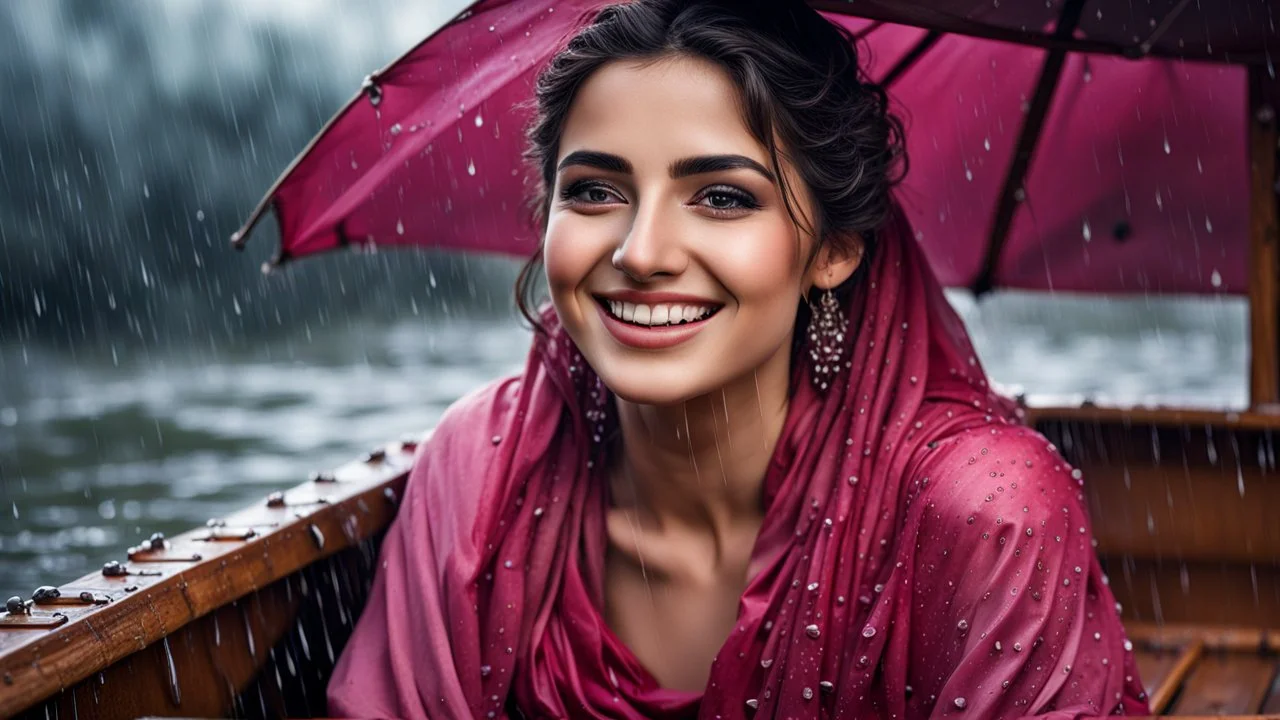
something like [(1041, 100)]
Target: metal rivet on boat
[(323, 476), (113, 568), (130, 588), (157, 541), (376, 456), (372, 90), (390, 495), (15, 606), (275, 499), (215, 522), (316, 536), (46, 592)]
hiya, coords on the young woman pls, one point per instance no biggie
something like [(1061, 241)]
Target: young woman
[(752, 467)]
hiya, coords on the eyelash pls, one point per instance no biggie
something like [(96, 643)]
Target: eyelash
[(745, 200)]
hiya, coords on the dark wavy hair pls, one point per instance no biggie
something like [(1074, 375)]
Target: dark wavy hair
[(800, 84)]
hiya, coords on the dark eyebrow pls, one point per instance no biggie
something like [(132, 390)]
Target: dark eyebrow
[(684, 167), (716, 163), (597, 160)]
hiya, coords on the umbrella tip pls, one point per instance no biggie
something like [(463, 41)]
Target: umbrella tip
[(238, 239)]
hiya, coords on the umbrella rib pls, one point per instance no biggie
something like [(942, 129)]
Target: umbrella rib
[(1012, 192), (915, 15), (1159, 32), (929, 40), (241, 236)]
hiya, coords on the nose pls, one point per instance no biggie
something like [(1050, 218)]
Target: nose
[(652, 246)]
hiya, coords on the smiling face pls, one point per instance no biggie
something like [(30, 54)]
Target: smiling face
[(670, 256)]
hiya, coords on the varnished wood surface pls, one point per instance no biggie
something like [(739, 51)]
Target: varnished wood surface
[(1186, 513), (144, 622), (1226, 684)]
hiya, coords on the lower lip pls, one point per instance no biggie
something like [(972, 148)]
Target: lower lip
[(649, 338)]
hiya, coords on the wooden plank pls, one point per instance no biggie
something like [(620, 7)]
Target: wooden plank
[(1264, 368), (1195, 592), (1271, 705), (1173, 636), (1194, 492), (1185, 512), (1154, 666), (1226, 684), (37, 664), (1165, 690), (1171, 417)]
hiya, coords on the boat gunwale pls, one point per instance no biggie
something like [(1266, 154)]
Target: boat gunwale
[(361, 499)]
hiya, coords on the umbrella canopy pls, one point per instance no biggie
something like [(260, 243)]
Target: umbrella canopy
[(1080, 145)]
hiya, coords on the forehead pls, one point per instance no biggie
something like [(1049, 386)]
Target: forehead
[(675, 106)]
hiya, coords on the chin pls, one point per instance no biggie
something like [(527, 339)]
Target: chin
[(642, 387)]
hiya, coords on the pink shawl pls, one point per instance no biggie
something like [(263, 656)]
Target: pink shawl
[(923, 554)]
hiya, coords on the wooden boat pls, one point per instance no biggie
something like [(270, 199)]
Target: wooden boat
[(246, 616)]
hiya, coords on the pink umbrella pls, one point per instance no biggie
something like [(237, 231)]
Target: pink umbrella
[(1103, 150)]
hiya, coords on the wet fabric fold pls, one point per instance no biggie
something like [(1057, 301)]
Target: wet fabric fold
[(922, 554)]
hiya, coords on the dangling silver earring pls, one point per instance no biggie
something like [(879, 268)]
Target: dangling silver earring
[(827, 328)]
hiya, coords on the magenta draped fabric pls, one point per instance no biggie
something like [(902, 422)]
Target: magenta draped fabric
[(922, 554)]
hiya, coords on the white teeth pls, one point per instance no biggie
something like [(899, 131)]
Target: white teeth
[(660, 314)]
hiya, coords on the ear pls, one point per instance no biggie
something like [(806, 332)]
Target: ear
[(833, 266)]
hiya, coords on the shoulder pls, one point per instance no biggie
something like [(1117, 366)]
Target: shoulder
[(1003, 473)]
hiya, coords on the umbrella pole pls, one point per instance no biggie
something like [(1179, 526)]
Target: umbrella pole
[(1264, 295)]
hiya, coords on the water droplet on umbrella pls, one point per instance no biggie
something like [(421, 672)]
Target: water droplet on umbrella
[(812, 631), (868, 631), (960, 703)]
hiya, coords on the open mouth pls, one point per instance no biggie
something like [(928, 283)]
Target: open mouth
[(656, 315)]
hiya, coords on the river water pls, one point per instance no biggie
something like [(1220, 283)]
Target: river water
[(99, 449)]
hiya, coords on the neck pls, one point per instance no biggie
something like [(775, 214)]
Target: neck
[(700, 465)]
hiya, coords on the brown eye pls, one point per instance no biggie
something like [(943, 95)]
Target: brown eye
[(726, 199), (722, 201), (588, 192)]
